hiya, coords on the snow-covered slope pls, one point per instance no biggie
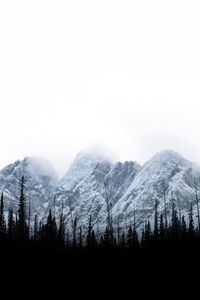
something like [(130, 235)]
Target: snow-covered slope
[(89, 181), (83, 165), (40, 177), (166, 171), (93, 184)]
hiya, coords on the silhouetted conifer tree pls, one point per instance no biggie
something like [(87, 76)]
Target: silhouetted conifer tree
[(61, 230), (89, 234), (75, 232), (36, 229), (175, 224), (50, 229), (162, 233), (123, 241), (191, 231), (130, 238), (80, 238), (156, 231), (2, 218), (21, 224), (11, 224), (183, 229)]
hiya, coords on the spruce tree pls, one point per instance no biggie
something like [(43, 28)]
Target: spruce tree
[(183, 229), (162, 234), (21, 224), (156, 231), (148, 233), (123, 241), (93, 240), (143, 237), (50, 229), (175, 224), (136, 243), (80, 238), (130, 238), (2, 218), (36, 229), (42, 232), (11, 224), (89, 234), (74, 232), (61, 230), (191, 231), (28, 228)]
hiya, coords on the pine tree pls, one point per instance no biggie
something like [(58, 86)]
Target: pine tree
[(36, 229), (148, 233), (2, 218), (21, 213), (136, 243), (89, 234), (50, 229), (162, 234), (11, 224), (67, 238), (123, 240), (191, 231), (183, 229), (80, 238), (55, 230), (42, 232), (175, 225), (61, 230), (156, 231), (130, 238), (93, 240), (28, 228), (143, 237), (74, 232), (164, 189)]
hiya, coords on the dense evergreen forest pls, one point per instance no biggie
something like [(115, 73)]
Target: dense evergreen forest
[(19, 229), (51, 249)]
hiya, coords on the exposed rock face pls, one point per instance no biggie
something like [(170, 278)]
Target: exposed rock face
[(93, 185), (40, 178)]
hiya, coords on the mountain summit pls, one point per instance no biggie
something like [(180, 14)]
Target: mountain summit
[(40, 177), (94, 186)]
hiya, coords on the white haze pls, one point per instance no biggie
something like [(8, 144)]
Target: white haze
[(124, 74)]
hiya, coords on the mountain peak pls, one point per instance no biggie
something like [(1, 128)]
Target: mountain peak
[(40, 167), (97, 153), (167, 157), (168, 154)]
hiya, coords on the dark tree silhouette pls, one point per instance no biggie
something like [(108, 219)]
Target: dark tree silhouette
[(162, 233), (21, 224), (36, 229), (80, 238), (50, 229), (2, 218), (191, 231), (156, 231), (61, 230), (11, 224)]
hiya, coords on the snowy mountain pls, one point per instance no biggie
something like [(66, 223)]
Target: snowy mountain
[(93, 185), (167, 172), (40, 177), (84, 189), (128, 188), (81, 191)]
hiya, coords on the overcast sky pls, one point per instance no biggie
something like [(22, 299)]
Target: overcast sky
[(125, 74)]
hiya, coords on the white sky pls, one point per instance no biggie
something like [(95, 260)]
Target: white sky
[(125, 74)]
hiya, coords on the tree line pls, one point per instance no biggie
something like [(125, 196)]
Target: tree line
[(161, 231)]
